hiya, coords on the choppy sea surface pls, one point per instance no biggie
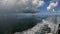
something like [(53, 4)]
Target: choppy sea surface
[(52, 22)]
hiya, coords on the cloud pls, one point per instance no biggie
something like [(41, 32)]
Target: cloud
[(41, 3), (52, 5), (20, 6), (38, 2)]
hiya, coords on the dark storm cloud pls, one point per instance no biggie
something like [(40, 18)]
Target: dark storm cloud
[(19, 6)]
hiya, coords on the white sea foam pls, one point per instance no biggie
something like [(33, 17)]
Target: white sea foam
[(37, 28)]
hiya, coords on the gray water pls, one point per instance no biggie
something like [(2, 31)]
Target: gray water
[(52, 21)]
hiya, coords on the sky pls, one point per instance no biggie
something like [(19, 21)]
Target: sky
[(30, 6), (56, 9)]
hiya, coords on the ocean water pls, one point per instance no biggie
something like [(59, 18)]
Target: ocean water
[(51, 21)]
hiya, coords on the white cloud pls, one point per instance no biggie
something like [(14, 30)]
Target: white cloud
[(52, 5), (38, 2), (41, 3)]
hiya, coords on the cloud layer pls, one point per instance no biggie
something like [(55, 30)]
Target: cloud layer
[(20, 6)]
